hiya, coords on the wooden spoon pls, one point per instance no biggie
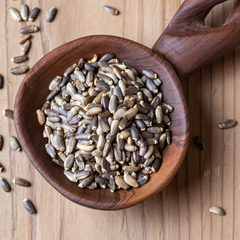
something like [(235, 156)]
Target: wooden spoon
[(186, 45)]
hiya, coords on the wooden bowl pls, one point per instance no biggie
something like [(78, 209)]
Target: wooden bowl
[(187, 44), (34, 90)]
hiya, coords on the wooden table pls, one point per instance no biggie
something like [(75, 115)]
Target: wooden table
[(207, 178)]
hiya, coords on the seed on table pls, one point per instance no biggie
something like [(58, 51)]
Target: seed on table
[(227, 123), (25, 47), (33, 14), (51, 13), (15, 14), (24, 12), (15, 144), (217, 210), (8, 113), (21, 182), (19, 59), (1, 168), (29, 29), (200, 143), (4, 185), (29, 206), (1, 81), (19, 70), (24, 39)]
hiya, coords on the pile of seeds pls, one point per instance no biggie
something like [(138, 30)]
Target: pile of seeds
[(105, 124), (24, 15)]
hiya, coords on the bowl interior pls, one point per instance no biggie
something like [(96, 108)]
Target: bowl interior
[(34, 89)]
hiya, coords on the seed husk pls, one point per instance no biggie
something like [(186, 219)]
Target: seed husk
[(41, 117), (227, 123), (21, 182), (15, 144), (19, 59), (8, 113), (33, 14), (19, 70), (24, 12), (29, 29), (51, 14), (217, 210), (15, 14), (1, 81), (4, 185)]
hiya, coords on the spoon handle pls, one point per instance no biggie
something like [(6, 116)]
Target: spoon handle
[(188, 44)]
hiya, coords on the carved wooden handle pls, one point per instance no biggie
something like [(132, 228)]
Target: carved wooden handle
[(188, 44)]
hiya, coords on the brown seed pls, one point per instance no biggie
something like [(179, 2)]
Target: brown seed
[(8, 113), (19, 59), (15, 144), (156, 164), (132, 168), (19, 70), (25, 47), (217, 210), (41, 117), (131, 113), (4, 185), (33, 14), (29, 29), (51, 14), (24, 39), (1, 81), (29, 206), (21, 182), (15, 14), (227, 123), (24, 12), (112, 183), (159, 114)]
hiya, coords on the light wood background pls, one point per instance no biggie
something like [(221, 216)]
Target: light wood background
[(206, 178)]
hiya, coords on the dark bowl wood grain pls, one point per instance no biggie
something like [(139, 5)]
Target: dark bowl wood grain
[(34, 90)]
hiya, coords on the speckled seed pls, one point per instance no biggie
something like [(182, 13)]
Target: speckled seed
[(8, 113), (1, 81), (33, 14), (4, 185), (29, 206), (15, 14), (15, 144), (227, 123), (21, 182), (217, 210), (19, 70), (19, 59), (50, 150), (29, 29), (130, 180), (41, 117), (51, 14), (121, 183), (24, 12)]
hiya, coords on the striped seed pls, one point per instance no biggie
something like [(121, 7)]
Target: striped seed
[(15, 144), (227, 123), (33, 14), (51, 13), (24, 39), (29, 206), (24, 12), (21, 182), (19, 70), (41, 117), (19, 59), (4, 185), (29, 29), (1, 81)]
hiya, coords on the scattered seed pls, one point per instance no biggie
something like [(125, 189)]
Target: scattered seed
[(200, 143), (29, 206), (15, 144), (33, 14), (8, 113), (1, 81), (29, 29), (4, 185), (24, 12), (227, 123), (1, 168), (1, 142), (25, 47), (24, 39), (15, 14), (19, 70), (19, 59), (51, 14), (217, 210), (21, 182)]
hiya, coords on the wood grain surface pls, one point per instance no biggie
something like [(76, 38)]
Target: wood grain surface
[(207, 178)]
